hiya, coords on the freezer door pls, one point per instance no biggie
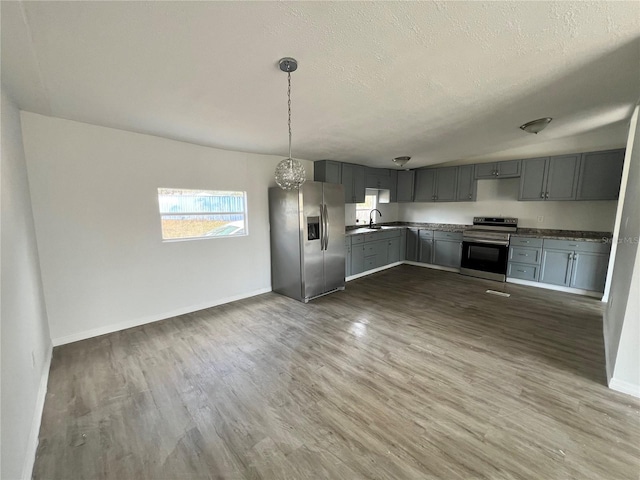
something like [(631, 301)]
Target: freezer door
[(334, 240), (312, 240)]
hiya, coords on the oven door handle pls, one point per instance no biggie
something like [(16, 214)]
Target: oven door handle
[(499, 243)]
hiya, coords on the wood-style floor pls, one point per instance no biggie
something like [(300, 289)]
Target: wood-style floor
[(410, 373)]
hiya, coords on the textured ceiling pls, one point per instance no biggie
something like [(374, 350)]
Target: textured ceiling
[(440, 81)]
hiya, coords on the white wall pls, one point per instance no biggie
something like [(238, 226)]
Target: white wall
[(104, 265), (26, 345), (622, 314), (500, 198)]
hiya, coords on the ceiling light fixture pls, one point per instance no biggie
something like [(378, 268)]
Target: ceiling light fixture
[(536, 126), (290, 173), (401, 161)]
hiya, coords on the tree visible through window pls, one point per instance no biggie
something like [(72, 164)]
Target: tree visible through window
[(187, 214), (364, 209)]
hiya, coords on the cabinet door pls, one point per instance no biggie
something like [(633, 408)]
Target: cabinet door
[(403, 244), (411, 252), (327, 171), (466, 191), (372, 178), (357, 259), (508, 169), (532, 179), (347, 258), (425, 250), (556, 267), (405, 185), (446, 179), (358, 183), (447, 253), (590, 271), (600, 175), (485, 170), (347, 183), (425, 185), (562, 179), (393, 250), (393, 186)]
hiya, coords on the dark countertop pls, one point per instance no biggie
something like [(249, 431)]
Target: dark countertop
[(575, 235)]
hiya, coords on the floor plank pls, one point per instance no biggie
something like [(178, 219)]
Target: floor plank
[(410, 373)]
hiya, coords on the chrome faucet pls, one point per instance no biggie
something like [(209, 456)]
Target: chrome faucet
[(371, 216)]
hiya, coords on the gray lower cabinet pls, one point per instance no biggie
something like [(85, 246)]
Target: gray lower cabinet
[(575, 264), (600, 175), (425, 246), (403, 244), (406, 179), (393, 250), (411, 251), (549, 178), (357, 254), (525, 255), (347, 256), (328, 171), (447, 249), (466, 188), (353, 180)]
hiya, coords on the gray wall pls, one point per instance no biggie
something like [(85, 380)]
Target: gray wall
[(622, 315), (26, 344)]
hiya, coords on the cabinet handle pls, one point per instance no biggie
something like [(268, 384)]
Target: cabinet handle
[(546, 195), (469, 195), (523, 254), (497, 174), (523, 271), (541, 194)]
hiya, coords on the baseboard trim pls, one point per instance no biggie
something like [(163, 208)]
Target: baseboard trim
[(624, 387), (33, 440), (557, 288), (96, 332), (375, 270)]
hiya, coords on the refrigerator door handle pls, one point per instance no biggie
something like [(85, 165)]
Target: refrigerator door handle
[(326, 225), (322, 229)]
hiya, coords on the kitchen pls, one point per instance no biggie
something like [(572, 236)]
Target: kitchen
[(130, 350)]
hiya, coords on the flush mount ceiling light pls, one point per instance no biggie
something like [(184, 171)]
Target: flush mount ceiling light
[(401, 161), (535, 126), (290, 173)]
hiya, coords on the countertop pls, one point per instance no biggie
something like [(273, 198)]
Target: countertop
[(575, 235)]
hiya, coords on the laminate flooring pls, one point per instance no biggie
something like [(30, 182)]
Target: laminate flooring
[(410, 373)]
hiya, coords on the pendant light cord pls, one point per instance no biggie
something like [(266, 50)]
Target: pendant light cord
[(289, 107)]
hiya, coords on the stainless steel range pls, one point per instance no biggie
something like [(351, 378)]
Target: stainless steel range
[(485, 247)]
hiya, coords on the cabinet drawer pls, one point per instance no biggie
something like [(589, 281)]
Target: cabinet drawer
[(370, 262), (525, 242), (357, 239), (577, 246), (426, 233), (454, 236), (523, 272), (525, 255)]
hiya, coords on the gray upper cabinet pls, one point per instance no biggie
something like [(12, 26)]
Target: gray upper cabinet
[(425, 185), (353, 180), (508, 169), (549, 178), (532, 180), (466, 191), (436, 184), (600, 175), (562, 177), (406, 180), (328, 171)]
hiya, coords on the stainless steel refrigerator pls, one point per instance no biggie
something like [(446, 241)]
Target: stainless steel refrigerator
[(307, 240)]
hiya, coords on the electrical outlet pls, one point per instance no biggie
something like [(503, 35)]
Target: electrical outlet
[(540, 219)]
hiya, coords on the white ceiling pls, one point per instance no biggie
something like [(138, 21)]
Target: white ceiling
[(440, 81)]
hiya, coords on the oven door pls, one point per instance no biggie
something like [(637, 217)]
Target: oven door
[(485, 257)]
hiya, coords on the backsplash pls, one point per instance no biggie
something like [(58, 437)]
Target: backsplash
[(500, 198)]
